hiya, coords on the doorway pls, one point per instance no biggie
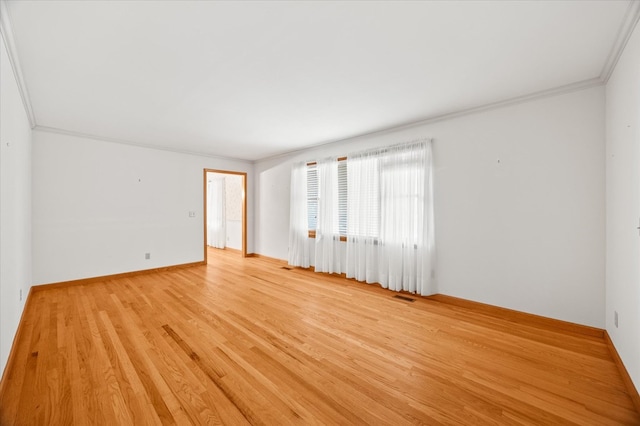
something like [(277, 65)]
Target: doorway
[(234, 184)]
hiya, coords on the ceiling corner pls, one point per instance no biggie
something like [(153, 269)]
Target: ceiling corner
[(624, 33), (7, 36)]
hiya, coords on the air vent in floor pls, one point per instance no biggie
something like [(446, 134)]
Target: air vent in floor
[(405, 298), (287, 268)]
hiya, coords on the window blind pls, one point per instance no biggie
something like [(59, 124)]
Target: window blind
[(312, 196), (342, 197)]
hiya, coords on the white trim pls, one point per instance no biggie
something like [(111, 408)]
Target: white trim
[(556, 91), (136, 144), (7, 36), (627, 26)]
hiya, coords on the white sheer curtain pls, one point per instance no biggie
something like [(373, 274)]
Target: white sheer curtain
[(298, 223), (216, 220), (390, 233), (327, 246), (363, 216)]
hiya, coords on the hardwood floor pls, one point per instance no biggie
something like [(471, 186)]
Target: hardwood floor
[(245, 341)]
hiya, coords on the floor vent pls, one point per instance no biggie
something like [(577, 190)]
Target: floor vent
[(287, 268), (405, 298)]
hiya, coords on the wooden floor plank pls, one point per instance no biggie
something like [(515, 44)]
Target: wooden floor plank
[(244, 341)]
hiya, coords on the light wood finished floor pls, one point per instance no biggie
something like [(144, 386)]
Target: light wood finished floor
[(248, 342)]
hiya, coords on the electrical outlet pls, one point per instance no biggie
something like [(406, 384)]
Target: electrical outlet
[(615, 318), (147, 256), (192, 214)]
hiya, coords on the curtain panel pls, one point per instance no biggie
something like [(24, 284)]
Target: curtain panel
[(327, 243), (395, 245), (216, 209), (298, 224), (389, 217)]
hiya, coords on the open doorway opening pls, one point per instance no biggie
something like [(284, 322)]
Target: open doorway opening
[(225, 210)]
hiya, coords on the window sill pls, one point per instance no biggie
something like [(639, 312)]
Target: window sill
[(312, 234)]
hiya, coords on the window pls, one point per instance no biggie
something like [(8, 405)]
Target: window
[(380, 201), (364, 181), (364, 205), (400, 187), (312, 197), (342, 197)]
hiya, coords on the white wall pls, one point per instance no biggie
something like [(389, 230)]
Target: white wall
[(15, 205), (234, 234), (98, 207), (623, 207), (519, 204)]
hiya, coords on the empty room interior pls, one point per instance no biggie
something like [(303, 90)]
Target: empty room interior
[(320, 212)]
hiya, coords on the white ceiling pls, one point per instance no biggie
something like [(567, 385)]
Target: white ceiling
[(249, 80)]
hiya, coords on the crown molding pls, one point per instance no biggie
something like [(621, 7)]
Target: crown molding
[(555, 91), (7, 35), (73, 133), (627, 26)]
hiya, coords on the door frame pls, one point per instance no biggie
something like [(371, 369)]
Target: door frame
[(244, 207)]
